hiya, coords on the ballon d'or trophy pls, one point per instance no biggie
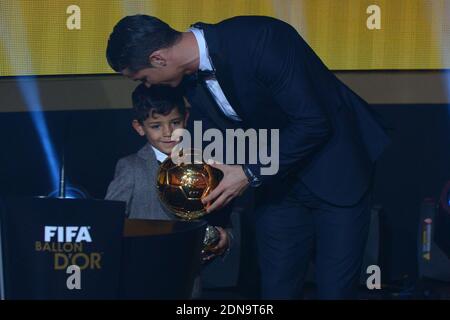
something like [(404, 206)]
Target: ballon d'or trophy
[(181, 186)]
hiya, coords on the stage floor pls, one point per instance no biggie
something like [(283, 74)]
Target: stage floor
[(426, 289)]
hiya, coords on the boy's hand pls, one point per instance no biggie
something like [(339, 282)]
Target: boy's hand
[(233, 184), (221, 246)]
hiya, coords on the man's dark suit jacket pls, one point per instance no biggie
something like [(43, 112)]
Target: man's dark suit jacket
[(329, 139)]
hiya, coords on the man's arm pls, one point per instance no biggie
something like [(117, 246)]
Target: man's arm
[(283, 66), (286, 67)]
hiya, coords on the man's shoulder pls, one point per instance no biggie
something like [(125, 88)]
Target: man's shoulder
[(252, 29), (252, 22), (251, 19)]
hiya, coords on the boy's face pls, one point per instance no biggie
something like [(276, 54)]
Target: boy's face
[(158, 128)]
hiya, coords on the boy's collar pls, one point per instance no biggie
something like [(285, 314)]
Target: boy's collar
[(149, 152), (160, 156)]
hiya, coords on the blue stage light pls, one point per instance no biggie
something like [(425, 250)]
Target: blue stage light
[(20, 62), (72, 192), (29, 90)]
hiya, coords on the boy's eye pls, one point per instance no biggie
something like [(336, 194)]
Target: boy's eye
[(176, 122), (155, 126)]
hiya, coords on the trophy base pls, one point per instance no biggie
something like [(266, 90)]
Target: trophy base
[(212, 237)]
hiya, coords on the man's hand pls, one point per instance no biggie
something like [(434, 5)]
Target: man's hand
[(220, 247), (233, 184)]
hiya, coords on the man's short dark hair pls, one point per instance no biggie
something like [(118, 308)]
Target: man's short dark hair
[(136, 37), (156, 99)]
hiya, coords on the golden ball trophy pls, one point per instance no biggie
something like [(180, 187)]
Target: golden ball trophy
[(182, 185)]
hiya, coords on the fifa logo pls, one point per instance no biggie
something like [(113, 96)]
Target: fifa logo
[(67, 234)]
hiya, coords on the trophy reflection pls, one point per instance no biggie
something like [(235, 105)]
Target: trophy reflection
[(182, 185)]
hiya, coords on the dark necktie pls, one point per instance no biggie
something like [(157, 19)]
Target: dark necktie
[(203, 98), (200, 76)]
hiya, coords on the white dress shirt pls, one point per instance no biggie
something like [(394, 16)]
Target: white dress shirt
[(213, 84), (160, 156)]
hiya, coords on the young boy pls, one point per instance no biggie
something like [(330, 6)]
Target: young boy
[(157, 112)]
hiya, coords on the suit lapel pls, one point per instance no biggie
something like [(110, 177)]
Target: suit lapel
[(146, 152), (149, 157)]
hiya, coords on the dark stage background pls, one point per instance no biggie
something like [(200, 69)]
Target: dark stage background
[(415, 166)]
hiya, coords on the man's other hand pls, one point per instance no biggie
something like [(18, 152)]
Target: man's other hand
[(233, 184)]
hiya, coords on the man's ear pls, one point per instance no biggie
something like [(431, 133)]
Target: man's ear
[(138, 127), (157, 59)]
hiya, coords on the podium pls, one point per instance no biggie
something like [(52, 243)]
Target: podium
[(42, 237), (160, 258), (117, 258)]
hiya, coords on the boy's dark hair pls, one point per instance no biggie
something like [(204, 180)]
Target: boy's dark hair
[(156, 99), (134, 38)]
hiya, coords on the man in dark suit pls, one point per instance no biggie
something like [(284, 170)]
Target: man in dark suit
[(262, 74)]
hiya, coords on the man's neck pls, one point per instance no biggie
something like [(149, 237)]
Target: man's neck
[(188, 53)]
